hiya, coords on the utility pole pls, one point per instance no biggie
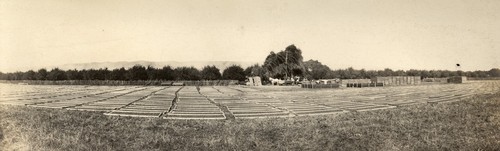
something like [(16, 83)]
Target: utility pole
[(286, 64), (459, 72)]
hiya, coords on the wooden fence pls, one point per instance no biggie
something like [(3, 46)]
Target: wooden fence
[(318, 86)]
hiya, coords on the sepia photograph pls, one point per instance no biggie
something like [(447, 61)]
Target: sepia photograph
[(264, 75)]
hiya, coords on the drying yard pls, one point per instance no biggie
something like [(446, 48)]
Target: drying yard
[(234, 102)]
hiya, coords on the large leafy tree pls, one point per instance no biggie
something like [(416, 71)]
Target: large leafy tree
[(271, 63), (234, 72), (284, 64), (210, 73)]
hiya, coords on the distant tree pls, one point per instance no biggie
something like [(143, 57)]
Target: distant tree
[(481, 74), (467, 74), (92, 74), (316, 70), (166, 73), (74, 75), (433, 73), (371, 73), (471, 74), (234, 72), (15, 76), (56, 74), (336, 73), (362, 74), (6, 76), (87, 74), (19, 75), (412, 72), (454, 73), (495, 72), (257, 70), (386, 72), (445, 73), (210, 73), (248, 71), (152, 73), (425, 74), (118, 74), (353, 74), (137, 72), (41, 74), (187, 73), (102, 74), (29, 75), (400, 73)]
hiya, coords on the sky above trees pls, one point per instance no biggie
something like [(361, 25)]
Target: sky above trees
[(370, 34)]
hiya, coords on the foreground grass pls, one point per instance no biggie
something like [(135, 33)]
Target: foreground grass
[(465, 125)]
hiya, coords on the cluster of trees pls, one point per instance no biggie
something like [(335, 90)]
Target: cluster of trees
[(285, 63), (289, 63), (311, 69), (137, 72), (316, 70)]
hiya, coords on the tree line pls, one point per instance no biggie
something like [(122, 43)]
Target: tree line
[(313, 69), (281, 65), (137, 72), (316, 70)]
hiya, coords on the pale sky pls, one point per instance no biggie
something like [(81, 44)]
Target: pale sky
[(370, 34)]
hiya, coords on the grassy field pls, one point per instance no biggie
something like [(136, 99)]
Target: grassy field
[(467, 125)]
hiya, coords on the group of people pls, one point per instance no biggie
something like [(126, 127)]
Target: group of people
[(290, 80)]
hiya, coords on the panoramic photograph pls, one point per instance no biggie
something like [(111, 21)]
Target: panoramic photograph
[(249, 75)]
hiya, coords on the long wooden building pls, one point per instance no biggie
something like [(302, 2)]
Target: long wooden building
[(397, 80)]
